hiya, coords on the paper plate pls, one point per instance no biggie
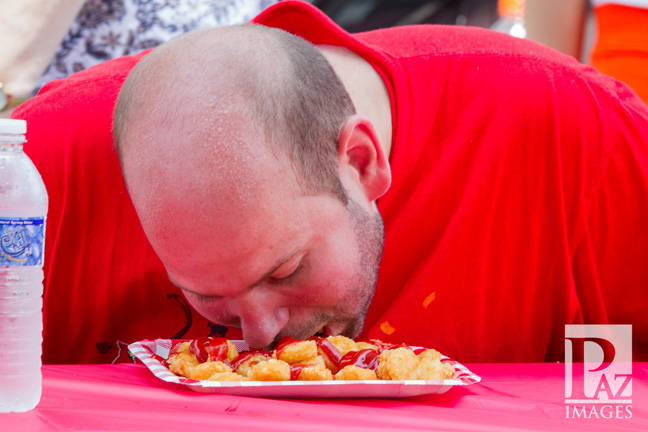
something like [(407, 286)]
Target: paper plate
[(153, 352)]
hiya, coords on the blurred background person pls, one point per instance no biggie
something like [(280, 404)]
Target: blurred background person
[(619, 46), (44, 40), (364, 15), (30, 31)]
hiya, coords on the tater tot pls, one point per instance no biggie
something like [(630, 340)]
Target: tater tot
[(244, 368), (355, 373), (429, 369), (232, 352), (271, 370), (366, 345), (430, 354), (205, 370), (227, 376), (316, 361), (397, 364), (182, 363), (181, 347), (298, 352), (315, 373), (343, 344)]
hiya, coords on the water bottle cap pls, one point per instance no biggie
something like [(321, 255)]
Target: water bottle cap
[(12, 126)]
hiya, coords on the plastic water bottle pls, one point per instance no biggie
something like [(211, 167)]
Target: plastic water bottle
[(511, 18), (23, 208)]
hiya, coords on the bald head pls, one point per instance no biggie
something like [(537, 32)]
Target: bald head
[(195, 96)]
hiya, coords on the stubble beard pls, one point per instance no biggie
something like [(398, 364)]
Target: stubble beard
[(370, 237), (352, 309)]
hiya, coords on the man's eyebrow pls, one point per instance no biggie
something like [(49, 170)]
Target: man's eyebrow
[(252, 285), (197, 294)]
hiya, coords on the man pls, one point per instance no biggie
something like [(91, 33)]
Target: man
[(511, 182)]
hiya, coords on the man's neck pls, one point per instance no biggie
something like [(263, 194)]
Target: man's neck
[(366, 89)]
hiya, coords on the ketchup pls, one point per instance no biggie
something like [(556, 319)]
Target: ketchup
[(331, 352), (197, 348), (285, 342), (205, 348), (174, 349), (295, 370), (366, 359), (246, 356), (382, 346)]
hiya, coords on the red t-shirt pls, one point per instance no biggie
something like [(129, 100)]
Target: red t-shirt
[(519, 195)]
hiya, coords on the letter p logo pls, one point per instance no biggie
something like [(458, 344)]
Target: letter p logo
[(598, 364)]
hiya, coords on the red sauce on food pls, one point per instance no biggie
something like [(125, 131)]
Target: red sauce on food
[(197, 348), (295, 370), (382, 346), (244, 356), (330, 351), (366, 359), (285, 342), (212, 349), (218, 348)]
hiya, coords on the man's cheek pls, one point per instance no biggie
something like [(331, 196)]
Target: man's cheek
[(213, 312), (326, 293)]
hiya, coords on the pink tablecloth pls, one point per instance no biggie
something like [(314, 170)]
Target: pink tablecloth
[(129, 397)]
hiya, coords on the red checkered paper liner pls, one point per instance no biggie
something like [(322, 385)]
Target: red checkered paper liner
[(153, 352)]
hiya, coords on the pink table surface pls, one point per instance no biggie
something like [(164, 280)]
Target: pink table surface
[(128, 397)]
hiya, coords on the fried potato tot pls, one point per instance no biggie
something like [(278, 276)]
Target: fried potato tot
[(316, 361), (181, 347), (232, 352), (182, 363), (355, 373), (366, 345), (298, 352), (315, 373), (205, 370), (428, 369), (271, 370), (430, 354), (227, 376), (397, 364), (343, 344), (244, 368)]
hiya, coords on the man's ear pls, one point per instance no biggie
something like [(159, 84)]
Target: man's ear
[(362, 159)]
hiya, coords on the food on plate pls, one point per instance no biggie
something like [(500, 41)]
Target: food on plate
[(292, 351), (311, 373), (315, 359), (352, 372), (245, 361), (271, 370), (397, 364), (203, 371)]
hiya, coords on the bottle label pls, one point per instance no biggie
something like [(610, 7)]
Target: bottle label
[(21, 241)]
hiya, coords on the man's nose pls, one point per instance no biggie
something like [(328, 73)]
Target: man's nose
[(261, 319)]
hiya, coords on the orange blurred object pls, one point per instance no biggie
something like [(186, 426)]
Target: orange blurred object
[(622, 46), (510, 8)]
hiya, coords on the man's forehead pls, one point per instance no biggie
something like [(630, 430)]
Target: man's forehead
[(218, 173), (216, 145)]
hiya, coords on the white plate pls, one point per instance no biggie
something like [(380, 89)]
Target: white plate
[(153, 352)]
